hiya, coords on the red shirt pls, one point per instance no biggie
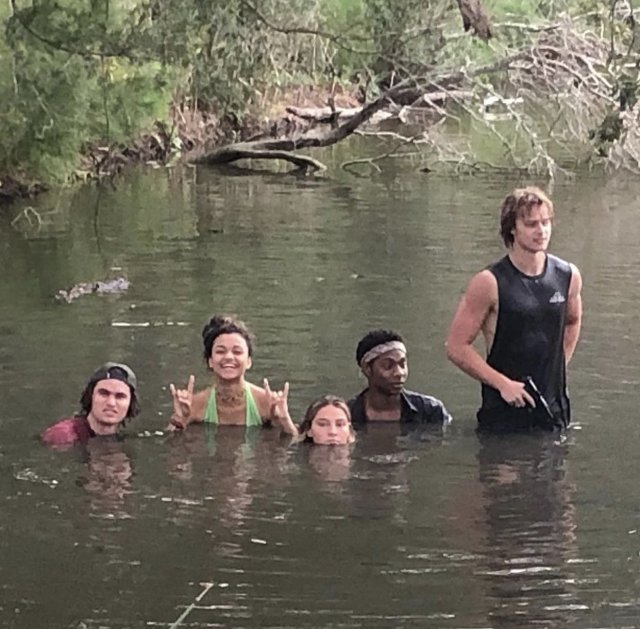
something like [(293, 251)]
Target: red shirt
[(68, 431)]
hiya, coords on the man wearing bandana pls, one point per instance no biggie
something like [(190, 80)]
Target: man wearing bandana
[(108, 399), (382, 357)]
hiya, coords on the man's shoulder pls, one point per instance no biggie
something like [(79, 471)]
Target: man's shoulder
[(483, 286), (495, 267), (560, 263), (356, 407), (427, 408), (67, 430)]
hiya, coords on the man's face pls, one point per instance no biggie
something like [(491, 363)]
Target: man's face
[(388, 372), (533, 230), (110, 402)]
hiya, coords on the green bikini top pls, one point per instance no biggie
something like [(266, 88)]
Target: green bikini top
[(252, 417)]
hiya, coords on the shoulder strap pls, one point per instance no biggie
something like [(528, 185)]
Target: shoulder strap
[(211, 411), (252, 417)]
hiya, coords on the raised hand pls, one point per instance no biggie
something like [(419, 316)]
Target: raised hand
[(182, 403), (279, 407)]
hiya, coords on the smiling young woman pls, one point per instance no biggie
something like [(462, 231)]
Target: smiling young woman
[(231, 399)]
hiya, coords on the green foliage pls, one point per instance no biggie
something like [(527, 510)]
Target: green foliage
[(78, 71), (63, 85), (407, 34)]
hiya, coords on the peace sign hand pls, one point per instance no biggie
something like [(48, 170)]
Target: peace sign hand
[(182, 402)]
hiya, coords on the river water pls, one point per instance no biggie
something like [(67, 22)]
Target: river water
[(231, 529)]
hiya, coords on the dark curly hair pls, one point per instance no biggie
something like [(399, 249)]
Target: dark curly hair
[(373, 339), (224, 324)]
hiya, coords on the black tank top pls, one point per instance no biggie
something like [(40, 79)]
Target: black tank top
[(528, 341)]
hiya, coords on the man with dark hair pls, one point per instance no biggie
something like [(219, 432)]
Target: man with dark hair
[(529, 309), (108, 399), (382, 357)]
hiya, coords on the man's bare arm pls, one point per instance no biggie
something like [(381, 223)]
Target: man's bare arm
[(573, 321), (473, 310)]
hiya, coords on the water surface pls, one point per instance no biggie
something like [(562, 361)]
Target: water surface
[(237, 529)]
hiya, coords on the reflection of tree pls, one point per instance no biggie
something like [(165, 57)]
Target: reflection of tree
[(108, 480), (530, 530)]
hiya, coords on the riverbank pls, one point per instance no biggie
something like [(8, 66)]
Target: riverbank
[(188, 132)]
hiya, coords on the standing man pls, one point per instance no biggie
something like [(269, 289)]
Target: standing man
[(382, 357), (529, 309), (108, 399)]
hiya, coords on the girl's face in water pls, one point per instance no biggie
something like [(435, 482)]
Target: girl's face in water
[(229, 356), (331, 426)]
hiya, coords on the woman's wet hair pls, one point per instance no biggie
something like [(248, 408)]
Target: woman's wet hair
[(316, 406), (224, 324), (86, 398), (373, 339), (518, 204)]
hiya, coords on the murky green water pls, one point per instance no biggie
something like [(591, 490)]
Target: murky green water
[(415, 532)]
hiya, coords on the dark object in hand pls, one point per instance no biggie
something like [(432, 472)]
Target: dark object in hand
[(541, 402)]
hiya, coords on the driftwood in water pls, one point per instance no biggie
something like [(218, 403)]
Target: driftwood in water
[(115, 286), (279, 149), (282, 148), (315, 137)]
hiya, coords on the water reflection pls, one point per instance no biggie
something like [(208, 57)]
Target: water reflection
[(530, 522), (407, 530), (223, 466), (331, 464), (108, 478)]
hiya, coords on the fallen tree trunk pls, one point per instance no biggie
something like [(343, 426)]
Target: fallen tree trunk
[(283, 148), (328, 115), (418, 98), (261, 150)]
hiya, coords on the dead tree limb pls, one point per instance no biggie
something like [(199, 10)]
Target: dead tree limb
[(283, 148), (261, 150)]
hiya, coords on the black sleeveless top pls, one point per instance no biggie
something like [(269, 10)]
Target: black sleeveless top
[(528, 341)]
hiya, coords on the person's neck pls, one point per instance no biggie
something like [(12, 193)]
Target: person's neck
[(229, 390), (382, 402), (528, 262), (100, 428)]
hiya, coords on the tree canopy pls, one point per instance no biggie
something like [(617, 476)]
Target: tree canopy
[(551, 82)]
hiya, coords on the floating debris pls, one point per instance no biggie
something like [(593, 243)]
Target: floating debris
[(116, 286), (27, 474), (148, 433), (147, 324)]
